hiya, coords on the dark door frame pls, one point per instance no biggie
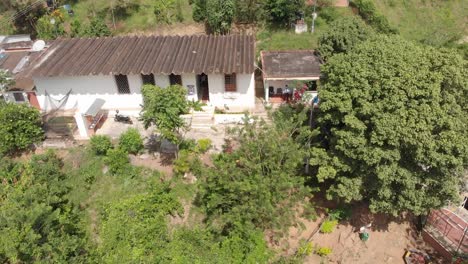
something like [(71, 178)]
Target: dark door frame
[(203, 90)]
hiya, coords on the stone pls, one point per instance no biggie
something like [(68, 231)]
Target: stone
[(144, 156)]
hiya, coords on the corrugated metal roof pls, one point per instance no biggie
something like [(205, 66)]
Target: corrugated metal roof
[(148, 54), (290, 64)]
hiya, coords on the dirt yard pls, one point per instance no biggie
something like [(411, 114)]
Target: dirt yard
[(389, 238)]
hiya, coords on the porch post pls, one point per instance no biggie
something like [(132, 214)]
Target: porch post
[(265, 86), (82, 124)]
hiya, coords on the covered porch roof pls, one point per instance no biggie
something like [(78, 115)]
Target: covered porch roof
[(290, 65)]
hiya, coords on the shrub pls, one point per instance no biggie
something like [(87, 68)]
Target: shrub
[(20, 127), (368, 12), (100, 144), (305, 248), (328, 226), (340, 214), (183, 161), (188, 144), (203, 145), (131, 141), (117, 160), (323, 251)]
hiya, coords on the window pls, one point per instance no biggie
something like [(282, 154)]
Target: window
[(230, 83), (148, 78), (175, 79), (312, 86), (19, 97), (122, 84)]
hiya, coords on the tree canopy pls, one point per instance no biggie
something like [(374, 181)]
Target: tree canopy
[(282, 12), (21, 127), (37, 223), (342, 35), (162, 107), (260, 180), (394, 121)]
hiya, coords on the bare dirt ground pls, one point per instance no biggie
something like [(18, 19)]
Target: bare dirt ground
[(389, 238), (173, 29)]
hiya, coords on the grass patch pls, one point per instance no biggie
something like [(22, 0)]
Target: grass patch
[(93, 187), (432, 22), (136, 19), (287, 39)]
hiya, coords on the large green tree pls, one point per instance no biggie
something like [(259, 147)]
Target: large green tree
[(37, 222), (20, 127), (342, 35), (261, 181), (394, 120), (282, 12)]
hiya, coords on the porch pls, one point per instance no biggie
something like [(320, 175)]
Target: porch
[(287, 72)]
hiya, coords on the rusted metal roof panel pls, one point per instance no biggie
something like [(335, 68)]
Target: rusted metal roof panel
[(148, 54)]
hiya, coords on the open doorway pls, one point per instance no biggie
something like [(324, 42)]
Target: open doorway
[(203, 90)]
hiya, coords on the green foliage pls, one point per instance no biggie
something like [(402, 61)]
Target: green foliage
[(249, 11), (305, 248), (163, 11), (259, 181), (20, 127), (323, 251), (141, 220), (328, 226), (37, 223), (187, 161), (100, 144), (96, 28), (75, 28), (369, 13), (162, 108), (47, 31), (182, 163), (204, 144), (117, 160), (199, 10), (340, 214), (342, 35), (282, 12), (26, 23), (6, 81), (394, 120), (131, 141), (436, 23), (219, 15)]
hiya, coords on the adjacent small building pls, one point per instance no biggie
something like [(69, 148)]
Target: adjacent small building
[(72, 74), (16, 54), (283, 70)]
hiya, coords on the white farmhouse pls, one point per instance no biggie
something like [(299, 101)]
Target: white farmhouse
[(73, 73)]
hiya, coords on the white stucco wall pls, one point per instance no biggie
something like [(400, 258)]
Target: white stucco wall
[(187, 80), (84, 90), (243, 99)]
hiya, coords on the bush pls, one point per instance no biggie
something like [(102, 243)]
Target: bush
[(340, 214), (368, 12), (305, 248), (188, 144), (20, 127), (203, 145), (323, 251), (100, 144), (117, 160), (131, 141), (328, 226)]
